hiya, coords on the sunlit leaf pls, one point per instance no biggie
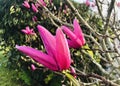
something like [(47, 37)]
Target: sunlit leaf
[(72, 79), (12, 10), (90, 52)]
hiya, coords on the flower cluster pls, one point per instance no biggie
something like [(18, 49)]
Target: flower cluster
[(28, 31), (58, 56), (36, 5)]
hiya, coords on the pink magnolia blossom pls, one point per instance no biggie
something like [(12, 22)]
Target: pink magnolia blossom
[(37, 5), (76, 37), (50, 1), (34, 8), (26, 4), (92, 4), (41, 2), (57, 57), (34, 18), (89, 3), (118, 4), (28, 31), (73, 72), (33, 67), (66, 9)]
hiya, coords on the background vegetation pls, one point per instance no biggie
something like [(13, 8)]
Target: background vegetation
[(96, 63)]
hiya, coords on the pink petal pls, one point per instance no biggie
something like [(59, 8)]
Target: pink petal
[(50, 1), (72, 44), (68, 32), (31, 30), (27, 28), (33, 67), (118, 4), (37, 5), (39, 56), (62, 51), (34, 8), (41, 2), (73, 72), (48, 40), (26, 4), (78, 32), (92, 4), (34, 18), (72, 36), (87, 3), (24, 31)]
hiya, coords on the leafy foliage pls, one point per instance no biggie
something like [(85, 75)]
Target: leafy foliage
[(15, 68)]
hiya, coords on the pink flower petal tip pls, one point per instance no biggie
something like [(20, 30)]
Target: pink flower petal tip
[(26, 4), (76, 37), (33, 67), (41, 2), (34, 8)]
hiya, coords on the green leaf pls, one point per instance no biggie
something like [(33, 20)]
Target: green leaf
[(12, 10), (90, 52), (48, 78), (72, 79)]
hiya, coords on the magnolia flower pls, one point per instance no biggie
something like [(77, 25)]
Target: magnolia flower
[(37, 5), (73, 72), (28, 31), (76, 37), (90, 3), (41, 2), (33, 67), (26, 4), (57, 57), (66, 9), (34, 8), (87, 3), (118, 4), (34, 18), (50, 1)]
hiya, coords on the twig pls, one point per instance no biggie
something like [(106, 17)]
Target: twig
[(56, 18), (99, 10), (97, 64), (53, 22), (106, 49), (103, 80), (109, 14), (82, 20), (93, 39)]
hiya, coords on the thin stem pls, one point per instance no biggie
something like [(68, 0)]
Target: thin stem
[(56, 18), (109, 14), (99, 10)]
